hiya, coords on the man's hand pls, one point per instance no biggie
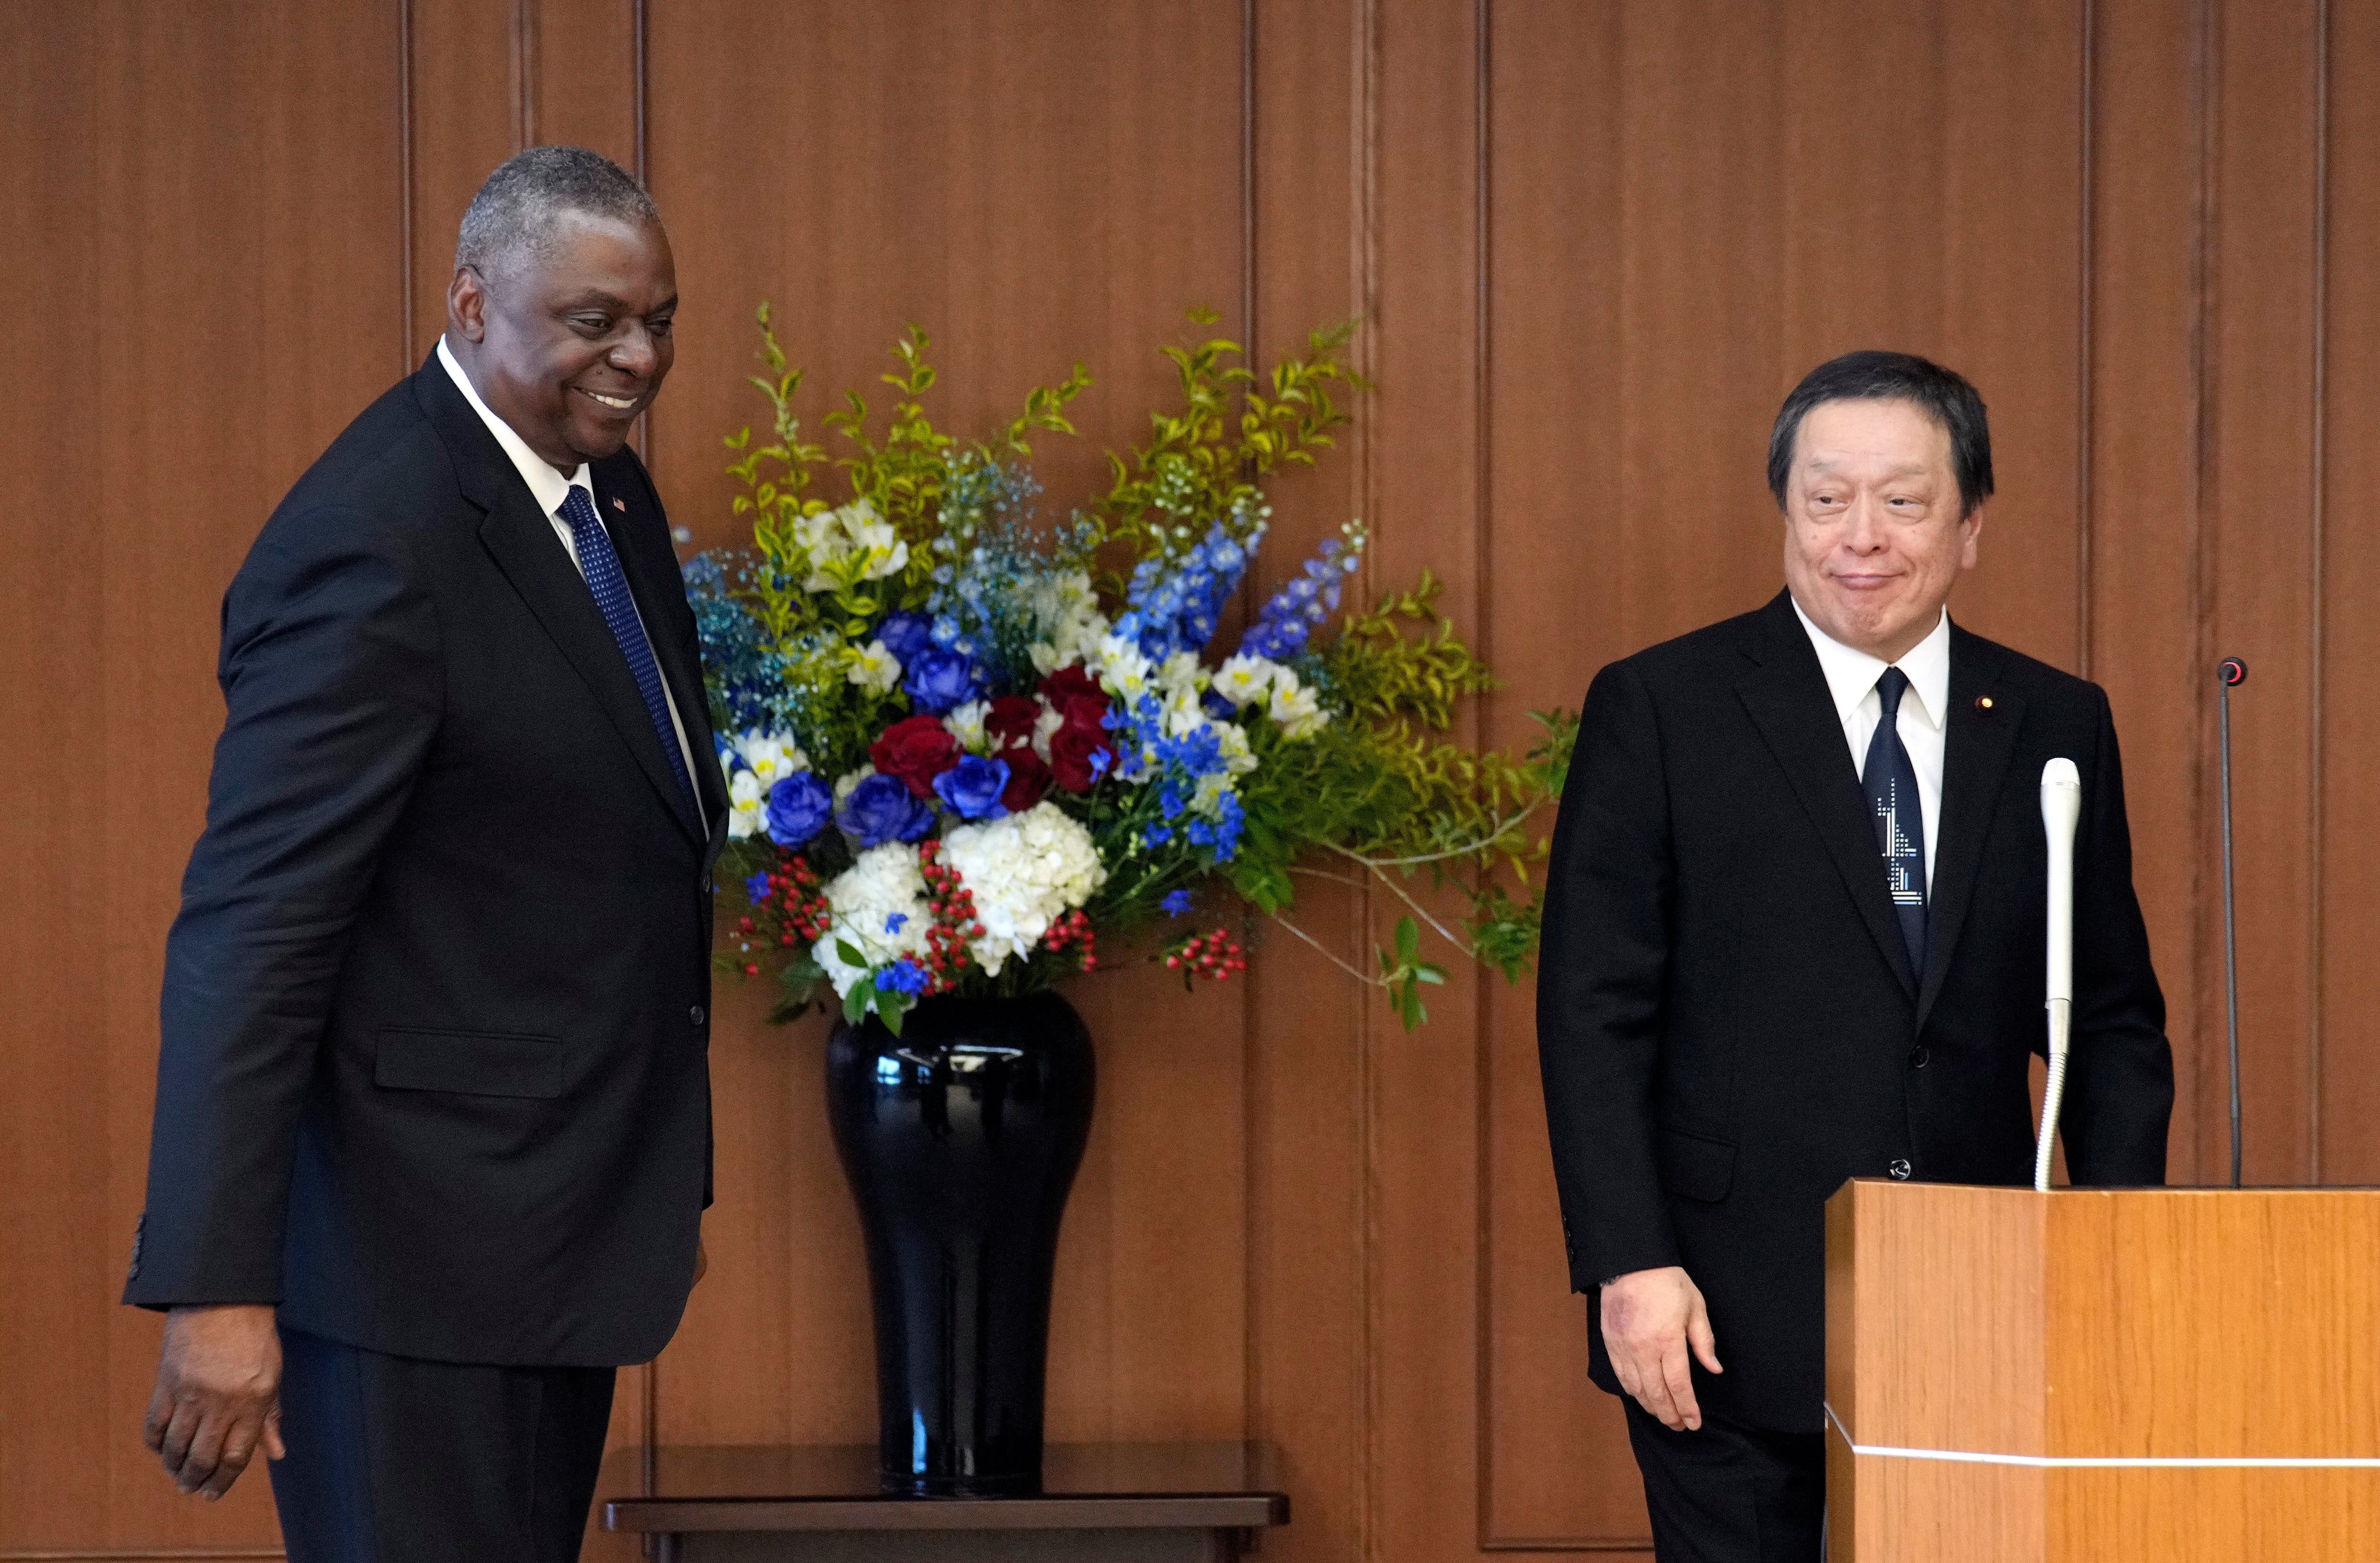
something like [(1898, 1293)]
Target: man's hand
[(218, 1395), (1650, 1317)]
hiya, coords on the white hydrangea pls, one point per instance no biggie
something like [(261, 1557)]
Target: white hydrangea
[(1025, 871), (852, 543), (1244, 678), (874, 669), (1296, 707), (880, 910)]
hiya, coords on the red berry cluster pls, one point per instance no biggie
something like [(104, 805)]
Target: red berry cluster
[(794, 892), (953, 905), (1073, 931), (1215, 955)]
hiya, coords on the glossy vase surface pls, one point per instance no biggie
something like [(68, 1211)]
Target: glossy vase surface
[(961, 1137)]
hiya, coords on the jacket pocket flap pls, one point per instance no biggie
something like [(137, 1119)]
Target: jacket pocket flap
[(480, 1064), (1694, 1167)]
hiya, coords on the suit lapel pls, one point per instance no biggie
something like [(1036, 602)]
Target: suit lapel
[(1978, 744), (525, 548), (1787, 698)]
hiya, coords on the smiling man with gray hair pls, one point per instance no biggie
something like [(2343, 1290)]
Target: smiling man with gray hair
[(433, 1135)]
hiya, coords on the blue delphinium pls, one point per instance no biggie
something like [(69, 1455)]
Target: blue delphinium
[(799, 806), (1172, 602), (1181, 766), (1176, 902), (755, 888), (972, 787), (904, 975), (880, 809), (937, 680), (1304, 603)]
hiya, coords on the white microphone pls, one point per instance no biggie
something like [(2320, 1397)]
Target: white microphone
[(2061, 806)]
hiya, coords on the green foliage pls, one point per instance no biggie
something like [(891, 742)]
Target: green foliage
[(1200, 464)]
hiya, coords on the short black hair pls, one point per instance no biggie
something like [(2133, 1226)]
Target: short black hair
[(1942, 394), (513, 216)]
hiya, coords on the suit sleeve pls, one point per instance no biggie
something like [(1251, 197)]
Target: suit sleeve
[(333, 686), (2119, 1069), (1603, 971)]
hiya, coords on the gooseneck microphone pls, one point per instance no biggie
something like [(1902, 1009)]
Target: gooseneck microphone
[(2233, 673), (2061, 808)]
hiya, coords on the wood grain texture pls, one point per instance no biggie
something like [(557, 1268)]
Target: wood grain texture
[(1592, 242), (2183, 1324)]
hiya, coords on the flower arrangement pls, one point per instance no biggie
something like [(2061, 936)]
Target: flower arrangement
[(962, 744)]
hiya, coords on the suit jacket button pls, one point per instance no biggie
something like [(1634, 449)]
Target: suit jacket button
[(1899, 1168), (1920, 1058), (694, 1016)]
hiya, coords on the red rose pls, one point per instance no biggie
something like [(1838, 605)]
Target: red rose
[(1028, 779), (1011, 721), (917, 749), (1076, 696), (1072, 749)]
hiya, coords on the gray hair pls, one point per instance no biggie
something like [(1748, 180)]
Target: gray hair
[(513, 217)]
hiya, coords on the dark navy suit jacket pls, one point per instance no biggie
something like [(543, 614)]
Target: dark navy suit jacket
[(433, 1073), (1726, 1020)]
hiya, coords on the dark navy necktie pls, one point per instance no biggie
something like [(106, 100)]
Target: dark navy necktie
[(1891, 782), (601, 568)]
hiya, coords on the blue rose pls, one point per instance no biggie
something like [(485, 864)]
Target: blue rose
[(937, 680), (906, 635), (799, 807), (880, 809), (972, 787)]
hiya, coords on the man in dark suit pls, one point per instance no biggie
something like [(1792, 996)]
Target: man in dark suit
[(1794, 934), (431, 1142)]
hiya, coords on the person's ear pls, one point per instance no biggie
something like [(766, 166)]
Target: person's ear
[(466, 305), (1972, 528)]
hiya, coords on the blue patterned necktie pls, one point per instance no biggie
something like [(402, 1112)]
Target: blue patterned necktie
[(1891, 782), (601, 568)]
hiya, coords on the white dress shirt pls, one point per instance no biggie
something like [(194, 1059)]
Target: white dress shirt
[(1925, 706), (550, 488)]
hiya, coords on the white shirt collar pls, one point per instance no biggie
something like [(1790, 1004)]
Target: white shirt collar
[(547, 486), (1851, 674)]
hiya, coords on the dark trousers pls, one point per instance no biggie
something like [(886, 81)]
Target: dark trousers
[(1731, 1494), (396, 1461)]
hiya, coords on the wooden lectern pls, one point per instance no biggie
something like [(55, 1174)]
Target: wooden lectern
[(2166, 1375)]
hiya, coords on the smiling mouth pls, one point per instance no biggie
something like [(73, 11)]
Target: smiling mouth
[(617, 404)]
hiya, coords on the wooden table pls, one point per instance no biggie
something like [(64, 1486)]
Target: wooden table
[(1128, 1503)]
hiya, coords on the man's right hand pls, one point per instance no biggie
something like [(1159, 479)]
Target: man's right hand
[(1650, 1317), (218, 1395)]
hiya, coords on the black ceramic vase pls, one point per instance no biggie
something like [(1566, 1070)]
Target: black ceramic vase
[(961, 1137)]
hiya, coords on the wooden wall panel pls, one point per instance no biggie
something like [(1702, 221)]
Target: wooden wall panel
[(2263, 392), (2347, 1145), (1592, 244), (2146, 640), (207, 214)]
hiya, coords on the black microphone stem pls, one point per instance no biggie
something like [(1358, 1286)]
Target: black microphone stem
[(2230, 926)]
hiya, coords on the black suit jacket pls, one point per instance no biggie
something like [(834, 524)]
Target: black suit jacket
[(1727, 1021), (435, 1063)]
